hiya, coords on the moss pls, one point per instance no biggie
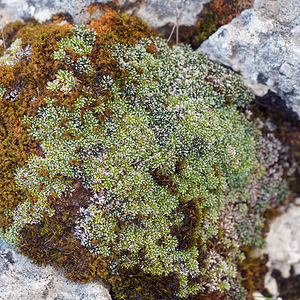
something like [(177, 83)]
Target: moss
[(121, 158), (52, 241), (253, 271)]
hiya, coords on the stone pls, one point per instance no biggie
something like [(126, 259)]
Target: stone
[(42, 10), (283, 251), (20, 279), (283, 247), (283, 241), (271, 285), (156, 13), (263, 44), (259, 296)]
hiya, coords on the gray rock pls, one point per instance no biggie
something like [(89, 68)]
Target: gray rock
[(42, 10), (282, 247), (156, 13), (263, 44), (283, 241), (20, 279)]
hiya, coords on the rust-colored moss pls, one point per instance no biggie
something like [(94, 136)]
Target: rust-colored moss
[(253, 272), (102, 7), (121, 28), (27, 82)]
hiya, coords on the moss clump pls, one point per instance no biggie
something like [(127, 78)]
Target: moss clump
[(128, 157)]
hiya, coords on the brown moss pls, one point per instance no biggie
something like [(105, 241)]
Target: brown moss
[(52, 241), (61, 18), (136, 285), (27, 79), (9, 32), (102, 7), (253, 271), (121, 28)]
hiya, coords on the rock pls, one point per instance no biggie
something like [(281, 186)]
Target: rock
[(297, 201), (271, 285), (20, 279), (259, 296), (42, 10), (283, 241), (263, 44), (156, 13), (283, 251), (282, 248)]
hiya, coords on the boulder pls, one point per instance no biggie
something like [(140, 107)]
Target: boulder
[(263, 44), (156, 13), (20, 279)]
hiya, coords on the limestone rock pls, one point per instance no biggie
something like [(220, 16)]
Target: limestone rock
[(42, 10), (263, 44), (283, 241), (20, 279), (156, 13)]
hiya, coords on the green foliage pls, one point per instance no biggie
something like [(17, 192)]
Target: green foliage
[(2, 92), (65, 81), (14, 53), (160, 149), (80, 42)]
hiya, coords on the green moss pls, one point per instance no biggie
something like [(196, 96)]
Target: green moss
[(121, 158)]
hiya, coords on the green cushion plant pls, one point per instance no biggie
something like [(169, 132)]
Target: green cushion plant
[(155, 140)]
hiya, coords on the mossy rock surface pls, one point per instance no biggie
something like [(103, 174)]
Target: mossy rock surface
[(127, 161)]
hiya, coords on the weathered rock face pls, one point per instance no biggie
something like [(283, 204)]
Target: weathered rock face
[(42, 10), (283, 250), (263, 44), (19, 279), (283, 242), (156, 13)]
